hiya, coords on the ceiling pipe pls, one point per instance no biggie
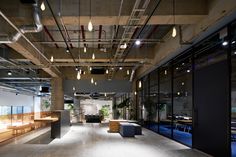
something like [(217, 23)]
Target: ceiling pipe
[(83, 34), (58, 26), (35, 28), (50, 36), (18, 30), (99, 35)]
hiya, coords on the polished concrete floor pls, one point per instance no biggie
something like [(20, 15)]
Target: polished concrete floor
[(93, 140)]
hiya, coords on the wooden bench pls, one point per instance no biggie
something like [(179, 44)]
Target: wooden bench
[(22, 128)]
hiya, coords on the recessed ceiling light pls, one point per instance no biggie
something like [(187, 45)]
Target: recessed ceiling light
[(9, 73), (137, 42), (225, 43)]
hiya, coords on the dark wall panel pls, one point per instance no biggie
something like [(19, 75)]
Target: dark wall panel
[(211, 109)]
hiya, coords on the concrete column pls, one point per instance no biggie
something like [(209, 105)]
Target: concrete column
[(57, 94)]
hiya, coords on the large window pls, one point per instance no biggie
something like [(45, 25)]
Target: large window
[(165, 102), (182, 100)]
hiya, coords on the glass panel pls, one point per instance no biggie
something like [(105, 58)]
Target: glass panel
[(182, 101), (233, 92), (165, 106), (28, 116), (5, 117), (153, 96), (17, 115)]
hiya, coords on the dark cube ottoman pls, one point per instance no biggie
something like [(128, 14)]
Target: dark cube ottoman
[(127, 130), (137, 128)]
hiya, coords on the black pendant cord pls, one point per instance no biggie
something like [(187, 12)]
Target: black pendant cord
[(57, 23), (174, 11)]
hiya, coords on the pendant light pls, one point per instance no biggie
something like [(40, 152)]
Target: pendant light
[(93, 56), (78, 75), (107, 71), (95, 83), (90, 68), (85, 49), (90, 25), (92, 81), (139, 84), (135, 93), (42, 6), (51, 59), (174, 32), (127, 72)]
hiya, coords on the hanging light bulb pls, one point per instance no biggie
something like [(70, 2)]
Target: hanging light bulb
[(137, 42), (73, 88), (80, 71), (90, 68), (92, 81), (95, 83), (127, 72), (51, 59), (174, 32), (78, 76), (90, 25), (85, 49), (40, 88), (93, 56), (139, 84), (135, 93), (105, 94), (107, 71), (42, 6)]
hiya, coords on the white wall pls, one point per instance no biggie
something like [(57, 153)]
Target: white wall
[(91, 106), (11, 99)]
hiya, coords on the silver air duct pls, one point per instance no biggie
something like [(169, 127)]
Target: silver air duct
[(37, 27)]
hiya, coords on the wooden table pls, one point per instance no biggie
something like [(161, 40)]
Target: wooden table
[(114, 125)]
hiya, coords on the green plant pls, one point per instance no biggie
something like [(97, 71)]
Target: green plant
[(104, 111), (46, 104), (151, 108)]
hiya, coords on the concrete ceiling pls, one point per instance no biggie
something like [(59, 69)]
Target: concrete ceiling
[(107, 33)]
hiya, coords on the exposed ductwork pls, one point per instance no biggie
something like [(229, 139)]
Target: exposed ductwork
[(37, 27)]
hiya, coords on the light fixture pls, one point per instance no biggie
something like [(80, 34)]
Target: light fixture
[(107, 71), (165, 72), (40, 88), (233, 42), (188, 71), (90, 68), (178, 93), (176, 68), (120, 68), (93, 56), (67, 50), (85, 49), (9, 73), (135, 93), (74, 93), (42, 6), (123, 46), (95, 83), (139, 84), (73, 88), (90, 25), (78, 75), (80, 71), (182, 83), (137, 42), (51, 59), (174, 32), (105, 94), (225, 43), (127, 72), (92, 81), (76, 69), (235, 52)]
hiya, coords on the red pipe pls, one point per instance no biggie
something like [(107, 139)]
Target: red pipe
[(50, 36)]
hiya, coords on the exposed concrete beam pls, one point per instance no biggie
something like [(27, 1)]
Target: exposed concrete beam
[(112, 20), (22, 47)]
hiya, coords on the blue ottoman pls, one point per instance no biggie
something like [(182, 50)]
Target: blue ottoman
[(127, 130), (138, 129)]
